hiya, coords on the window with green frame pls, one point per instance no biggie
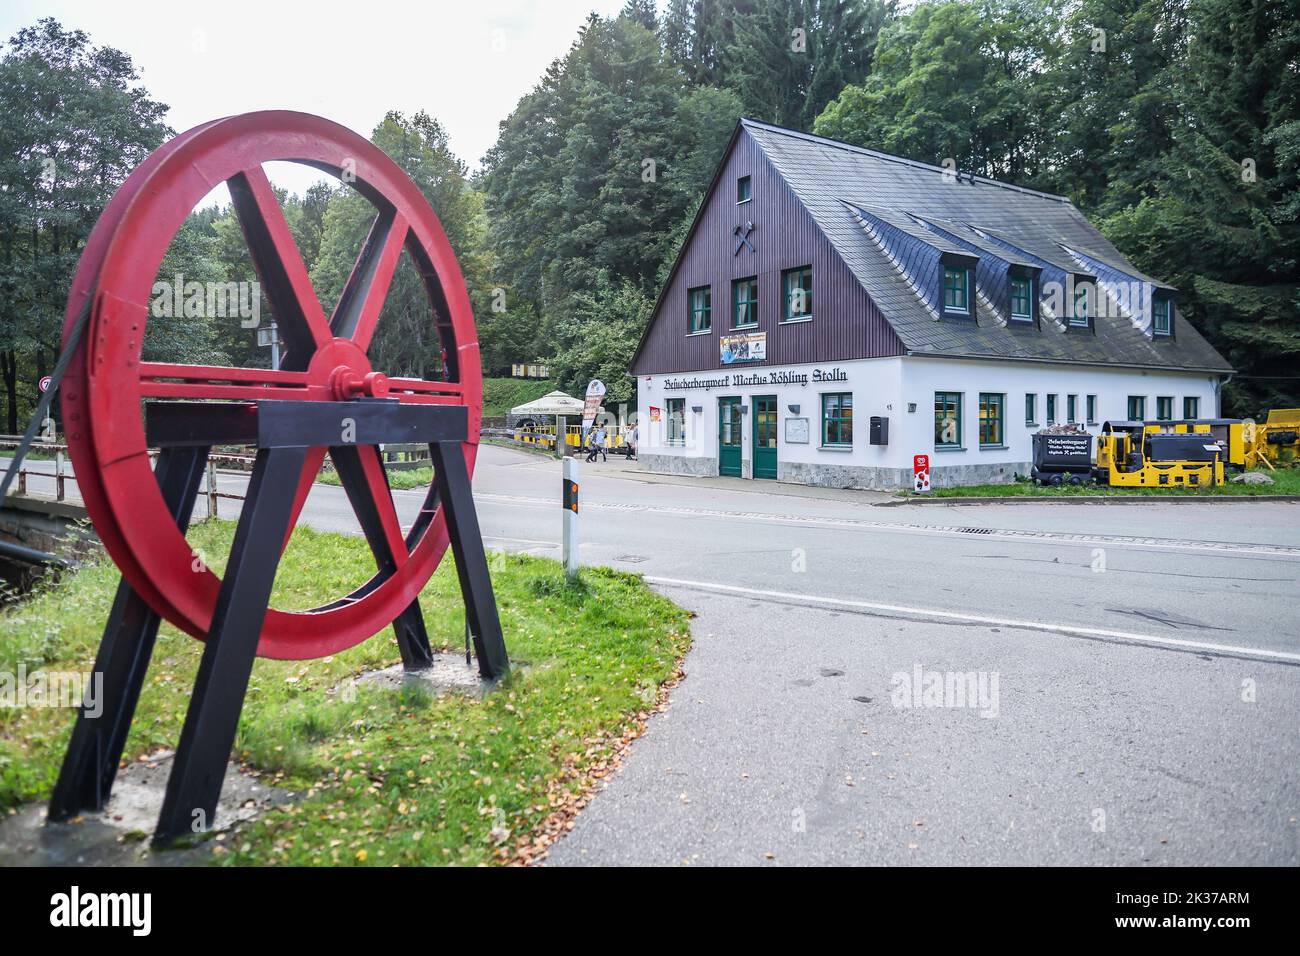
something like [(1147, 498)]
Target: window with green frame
[(1164, 408), (1082, 304), (744, 302), (1137, 408), (1091, 404), (837, 419), (1022, 298), (991, 405), (700, 303), (956, 289), (947, 419), (796, 294), (1051, 409), (1071, 408), (1191, 408), (1161, 310), (676, 421), (1031, 409)]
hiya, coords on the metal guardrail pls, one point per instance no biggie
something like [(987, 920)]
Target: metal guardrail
[(210, 491)]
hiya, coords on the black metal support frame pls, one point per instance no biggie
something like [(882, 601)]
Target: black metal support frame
[(283, 432)]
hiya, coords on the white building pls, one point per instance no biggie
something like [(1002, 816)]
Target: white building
[(836, 312)]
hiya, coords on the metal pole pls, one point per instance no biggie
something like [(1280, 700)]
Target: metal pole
[(275, 347), (570, 503), (561, 440), (58, 475), (212, 488)]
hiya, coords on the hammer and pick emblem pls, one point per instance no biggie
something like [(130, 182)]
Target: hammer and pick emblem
[(742, 236)]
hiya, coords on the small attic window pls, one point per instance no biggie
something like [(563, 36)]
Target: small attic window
[(956, 289), (1162, 316), (1082, 310), (744, 190), (1022, 298)]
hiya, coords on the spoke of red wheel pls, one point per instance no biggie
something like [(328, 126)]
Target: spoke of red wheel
[(367, 287), (362, 474), (219, 381), (310, 471), (279, 265)]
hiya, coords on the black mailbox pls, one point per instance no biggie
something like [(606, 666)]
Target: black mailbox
[(879, 430)]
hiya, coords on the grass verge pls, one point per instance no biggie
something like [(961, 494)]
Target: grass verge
[(384, 777), (1285, 482), (409, 478)]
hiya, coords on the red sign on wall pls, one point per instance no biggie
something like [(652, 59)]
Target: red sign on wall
[(921, 472)]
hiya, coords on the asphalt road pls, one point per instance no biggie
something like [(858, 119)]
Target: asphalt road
[(1135, 672)]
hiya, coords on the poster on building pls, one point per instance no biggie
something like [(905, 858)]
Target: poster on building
[(654, 413), (796, 431), (744, 347), (595, 392)]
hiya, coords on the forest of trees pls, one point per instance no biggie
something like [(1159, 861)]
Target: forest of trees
[(1173, 124)]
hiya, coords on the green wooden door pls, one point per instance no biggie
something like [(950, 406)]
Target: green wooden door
[(729, 436), (765, 436)]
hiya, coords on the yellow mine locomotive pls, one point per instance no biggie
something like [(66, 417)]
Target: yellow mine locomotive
[(1162, 454)]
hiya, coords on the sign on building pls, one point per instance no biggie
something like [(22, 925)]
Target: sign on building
[(744, 347), (796, 431)]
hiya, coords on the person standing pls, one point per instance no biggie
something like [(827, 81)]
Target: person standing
[(631, 443), (598, 443)]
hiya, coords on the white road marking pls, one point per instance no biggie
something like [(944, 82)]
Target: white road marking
[(1067, 629), (967, 532)]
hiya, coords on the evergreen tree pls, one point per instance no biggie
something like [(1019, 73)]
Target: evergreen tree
[(593, 174), (967, 83)]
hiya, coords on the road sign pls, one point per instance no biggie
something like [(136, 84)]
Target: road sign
[(921, 473), (44, 383)]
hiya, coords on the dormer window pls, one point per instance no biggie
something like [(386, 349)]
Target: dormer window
[(1022, 299), (744, 189), (956, 290), (1082, 307), (1162, 317)]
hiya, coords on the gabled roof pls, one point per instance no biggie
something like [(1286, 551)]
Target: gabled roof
[(846, 189)]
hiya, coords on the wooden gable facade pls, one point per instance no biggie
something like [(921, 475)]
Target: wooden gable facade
[(776, 234)]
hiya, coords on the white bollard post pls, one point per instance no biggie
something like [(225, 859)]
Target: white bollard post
[(569, 550)]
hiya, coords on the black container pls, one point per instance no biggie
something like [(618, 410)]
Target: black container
[(1062, 458), (1062, 452)]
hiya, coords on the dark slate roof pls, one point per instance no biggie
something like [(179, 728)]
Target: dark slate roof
[(871, 205), (965, 235)]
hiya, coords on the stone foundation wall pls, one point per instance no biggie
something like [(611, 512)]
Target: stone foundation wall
[(679, 465), (848, 476), (954, 476)]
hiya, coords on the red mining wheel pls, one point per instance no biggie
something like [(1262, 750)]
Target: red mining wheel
[(326, 360)]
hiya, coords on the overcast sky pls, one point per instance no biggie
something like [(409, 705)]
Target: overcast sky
[(466, 62)]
